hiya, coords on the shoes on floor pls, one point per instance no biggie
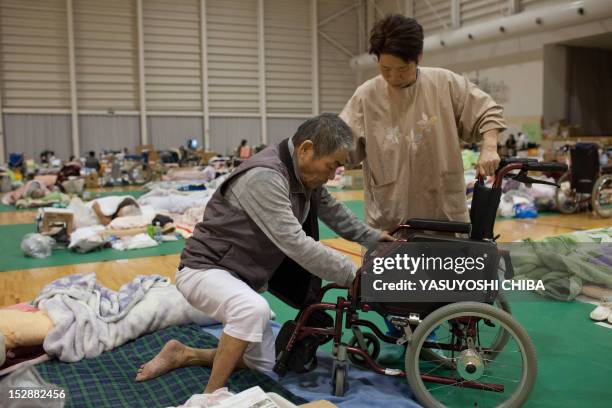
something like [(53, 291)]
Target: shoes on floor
[(602, 312)]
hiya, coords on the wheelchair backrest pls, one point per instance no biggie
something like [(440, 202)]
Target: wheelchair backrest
[(585, 167), (485, 201)]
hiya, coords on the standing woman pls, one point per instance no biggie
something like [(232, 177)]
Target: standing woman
[(408, 125), (244, 150)]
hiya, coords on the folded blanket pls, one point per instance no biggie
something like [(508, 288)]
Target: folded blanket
[(563, 265), (90, 319)]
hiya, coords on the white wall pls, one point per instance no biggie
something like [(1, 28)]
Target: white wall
[(198, 75), (524, 71), (518, 87), (531, 68)]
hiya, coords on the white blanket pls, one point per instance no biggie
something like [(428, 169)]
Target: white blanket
[(90, 319), (174, 201)]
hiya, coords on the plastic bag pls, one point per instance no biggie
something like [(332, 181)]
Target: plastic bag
[(525, 211), (87, 239), (37, 245)]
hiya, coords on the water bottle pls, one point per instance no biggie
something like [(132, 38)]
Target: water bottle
[(158, 232)]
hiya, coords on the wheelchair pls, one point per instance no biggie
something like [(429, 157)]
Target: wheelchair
[(586, 183), (459, 354)]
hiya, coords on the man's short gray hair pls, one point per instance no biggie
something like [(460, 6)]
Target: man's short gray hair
[(327, 132)]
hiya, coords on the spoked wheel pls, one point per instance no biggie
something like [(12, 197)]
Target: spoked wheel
[(497, 345), (466, 333), (502, 336), (140, 174), (601, 199), (567, 200), (372, 348)]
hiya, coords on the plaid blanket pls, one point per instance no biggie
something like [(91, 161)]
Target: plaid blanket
[(108, 380)]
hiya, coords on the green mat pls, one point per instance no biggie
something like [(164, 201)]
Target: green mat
[(108, 380), (13, 259)]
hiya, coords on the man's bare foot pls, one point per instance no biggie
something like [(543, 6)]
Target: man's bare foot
[(170, 357)]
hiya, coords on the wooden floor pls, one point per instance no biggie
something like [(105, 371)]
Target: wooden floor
[(117, 189), (348, 195), (23, 285), (17, 217)]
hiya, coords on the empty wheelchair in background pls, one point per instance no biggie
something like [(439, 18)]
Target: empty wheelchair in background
[(461, 354), (587, 183)]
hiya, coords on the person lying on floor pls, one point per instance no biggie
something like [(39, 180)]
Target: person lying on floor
[(260, 227), (109, 208)]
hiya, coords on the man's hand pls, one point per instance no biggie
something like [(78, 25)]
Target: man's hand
[(386, 237), (488, 160)]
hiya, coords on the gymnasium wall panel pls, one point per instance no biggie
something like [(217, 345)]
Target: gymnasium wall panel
[(31, 134), (108, 132), (174, 131), (227, 132)]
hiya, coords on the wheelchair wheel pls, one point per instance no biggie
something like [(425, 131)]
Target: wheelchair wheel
[(465, 335), (339, 381), (502, 334), (566, 199), (140, 174), (500, 340), (372, 347), (601, 199)]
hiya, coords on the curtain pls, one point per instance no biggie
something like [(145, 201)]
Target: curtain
[(590, 90)]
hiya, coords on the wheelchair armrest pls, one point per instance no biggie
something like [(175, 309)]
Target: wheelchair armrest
[(440, 225)]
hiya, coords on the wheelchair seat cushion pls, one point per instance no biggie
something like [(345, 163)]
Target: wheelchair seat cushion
[(440, 225)]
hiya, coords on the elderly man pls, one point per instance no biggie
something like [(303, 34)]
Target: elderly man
[(260, 227)]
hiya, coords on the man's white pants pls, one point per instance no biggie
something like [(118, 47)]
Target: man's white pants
[(245, 314)]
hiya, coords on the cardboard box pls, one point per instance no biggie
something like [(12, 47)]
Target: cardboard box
[(91, 181), (53, 217), (153, 156)]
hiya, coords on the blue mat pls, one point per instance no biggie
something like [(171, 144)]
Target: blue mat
[(366, 389)]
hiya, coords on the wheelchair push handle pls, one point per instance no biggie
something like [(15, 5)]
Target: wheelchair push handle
[(548, 167), (524, 165)]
